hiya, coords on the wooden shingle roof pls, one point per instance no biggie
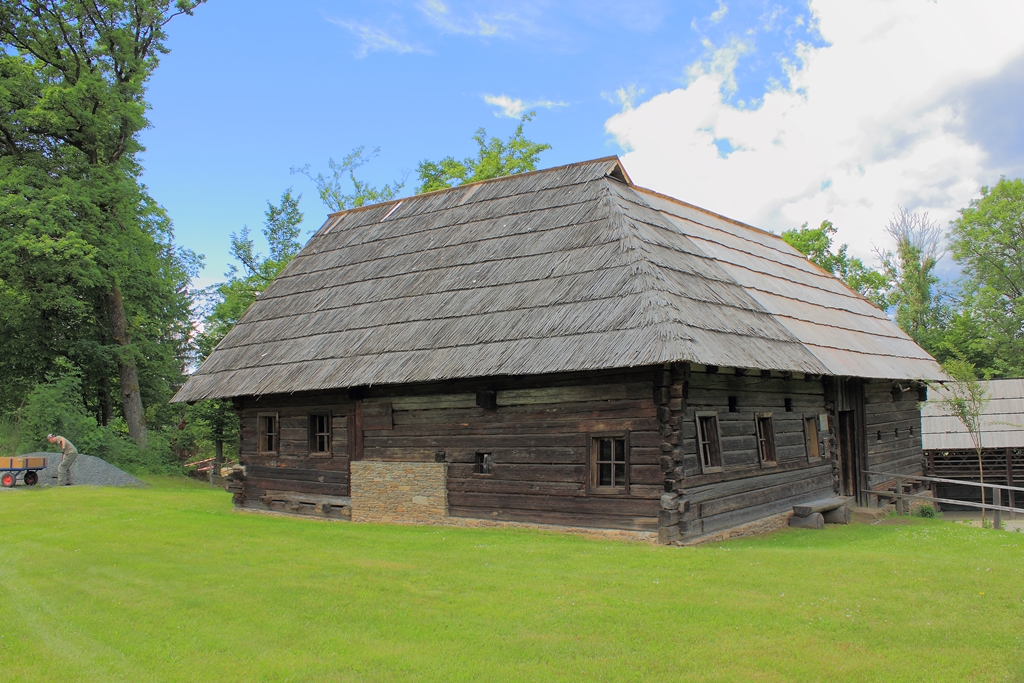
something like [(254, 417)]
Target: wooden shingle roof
[(566, 269)]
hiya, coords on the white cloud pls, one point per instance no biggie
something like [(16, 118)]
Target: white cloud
[(719, 13), (624, 97), (872, 121), (373, 39), (468, 23), (515, 108)]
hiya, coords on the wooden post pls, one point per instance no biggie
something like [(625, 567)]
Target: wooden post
[(997, 499), (899, 496), (1009, 476)]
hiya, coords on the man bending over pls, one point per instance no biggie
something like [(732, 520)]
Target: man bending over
[(69, 453)]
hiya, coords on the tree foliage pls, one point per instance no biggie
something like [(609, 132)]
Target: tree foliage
[(987, 239), (494, 159), (331, 188), (229, 300), (817, 245), (910, 271), (89, 269)]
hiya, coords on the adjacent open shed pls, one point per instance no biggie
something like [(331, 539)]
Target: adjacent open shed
[(562, 347), (951, 453)]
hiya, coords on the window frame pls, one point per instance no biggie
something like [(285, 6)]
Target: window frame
[(261, 433), (715, 441), (765, 441), (811, 422), (593, 469), (313, 435)]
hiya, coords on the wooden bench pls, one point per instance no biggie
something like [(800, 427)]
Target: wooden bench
[(815, 514)]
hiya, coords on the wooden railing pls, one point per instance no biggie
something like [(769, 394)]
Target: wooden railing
[(900, 495)]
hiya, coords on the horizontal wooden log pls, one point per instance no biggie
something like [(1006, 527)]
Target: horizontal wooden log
[(486, 484), (600, 392), (602, 504), (295, 473), (433, 402), (479, 442), (558, 518), (552, 473), (813, 521), (840, 515), (764, 495), (539, 455), (823, 505), (723, 484), (332, 489)]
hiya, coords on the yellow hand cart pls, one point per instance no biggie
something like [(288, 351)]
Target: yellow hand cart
[(30, 465)]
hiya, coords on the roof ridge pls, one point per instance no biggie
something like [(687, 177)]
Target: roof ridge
[(614, 157)]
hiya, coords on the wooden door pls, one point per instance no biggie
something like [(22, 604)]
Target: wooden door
[(849, 471)]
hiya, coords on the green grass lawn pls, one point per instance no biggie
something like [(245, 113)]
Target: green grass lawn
[(169, 584)]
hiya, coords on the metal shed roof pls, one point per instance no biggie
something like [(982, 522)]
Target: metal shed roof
[(568, 269)]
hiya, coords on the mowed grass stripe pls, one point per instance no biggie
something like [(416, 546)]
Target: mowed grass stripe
[(169, 584)]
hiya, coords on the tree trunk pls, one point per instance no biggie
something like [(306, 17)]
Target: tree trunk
[(131, 399), (106, 402)]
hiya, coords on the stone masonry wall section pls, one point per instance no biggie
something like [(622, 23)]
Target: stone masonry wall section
[(399, 492)]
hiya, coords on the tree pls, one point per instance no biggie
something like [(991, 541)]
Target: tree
[(987, 239), (910, 271), (331, 187), (74, 104), (817, 245), (965, 398), (228, 301), (494, 159)]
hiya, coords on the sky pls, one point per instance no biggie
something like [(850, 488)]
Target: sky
[(772, 113)]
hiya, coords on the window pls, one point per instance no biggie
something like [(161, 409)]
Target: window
[(320, 434), (268, 434), (483, 462), (765, 438), (709, 446), (609, 462), (811, 438)]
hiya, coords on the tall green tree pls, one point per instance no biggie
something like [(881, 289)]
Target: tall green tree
[(818, 246), (72, 86), (910, 270), (987, 239), (494, 158)]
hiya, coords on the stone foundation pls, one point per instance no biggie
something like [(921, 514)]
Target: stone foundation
[(399, 492)]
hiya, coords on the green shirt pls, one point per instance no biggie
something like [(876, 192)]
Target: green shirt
[(69, 448)]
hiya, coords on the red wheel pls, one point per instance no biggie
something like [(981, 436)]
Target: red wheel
[(30, 478), (8, 479)]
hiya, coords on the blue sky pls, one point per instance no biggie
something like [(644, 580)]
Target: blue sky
[(728, 105)]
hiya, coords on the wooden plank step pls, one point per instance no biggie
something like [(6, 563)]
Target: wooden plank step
[(823, 505)]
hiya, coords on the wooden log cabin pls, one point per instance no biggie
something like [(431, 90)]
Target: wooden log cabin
[(561, 347)]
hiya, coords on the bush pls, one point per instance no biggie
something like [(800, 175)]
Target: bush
[(927, 511), (56, 406)]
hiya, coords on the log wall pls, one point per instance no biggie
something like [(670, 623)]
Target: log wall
[(537, 436), (746, 489), (292, 469), (892, 428)]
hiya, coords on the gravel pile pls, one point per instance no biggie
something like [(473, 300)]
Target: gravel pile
[(87, 470)]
